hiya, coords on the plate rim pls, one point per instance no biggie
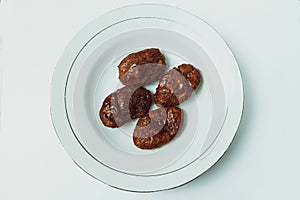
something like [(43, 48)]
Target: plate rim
[(70, 49)]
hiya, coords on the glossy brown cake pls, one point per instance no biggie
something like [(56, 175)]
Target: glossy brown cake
[(158, 127), (142, 67), (124, 105), (177, 85)]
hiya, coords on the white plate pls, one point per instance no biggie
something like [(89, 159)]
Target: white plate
[(87, 73)]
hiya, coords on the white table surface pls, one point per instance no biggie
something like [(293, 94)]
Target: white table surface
[(262, 163)]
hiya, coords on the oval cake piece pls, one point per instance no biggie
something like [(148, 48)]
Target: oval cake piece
[(177, 85), (158, 127), (142, 67), (124, 105)]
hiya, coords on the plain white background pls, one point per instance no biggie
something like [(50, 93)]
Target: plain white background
[(262, 163)]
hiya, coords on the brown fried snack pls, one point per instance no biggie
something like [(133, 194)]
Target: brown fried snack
[(142, 67), (158, 127), (124, 105), (177, 85)]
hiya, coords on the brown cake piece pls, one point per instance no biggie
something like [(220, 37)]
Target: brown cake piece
[(158, 127), (177, 85), (191, 73), (124, 105), (142, 67)]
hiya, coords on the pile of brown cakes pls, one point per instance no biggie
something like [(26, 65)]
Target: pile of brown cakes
[(160, 126)]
